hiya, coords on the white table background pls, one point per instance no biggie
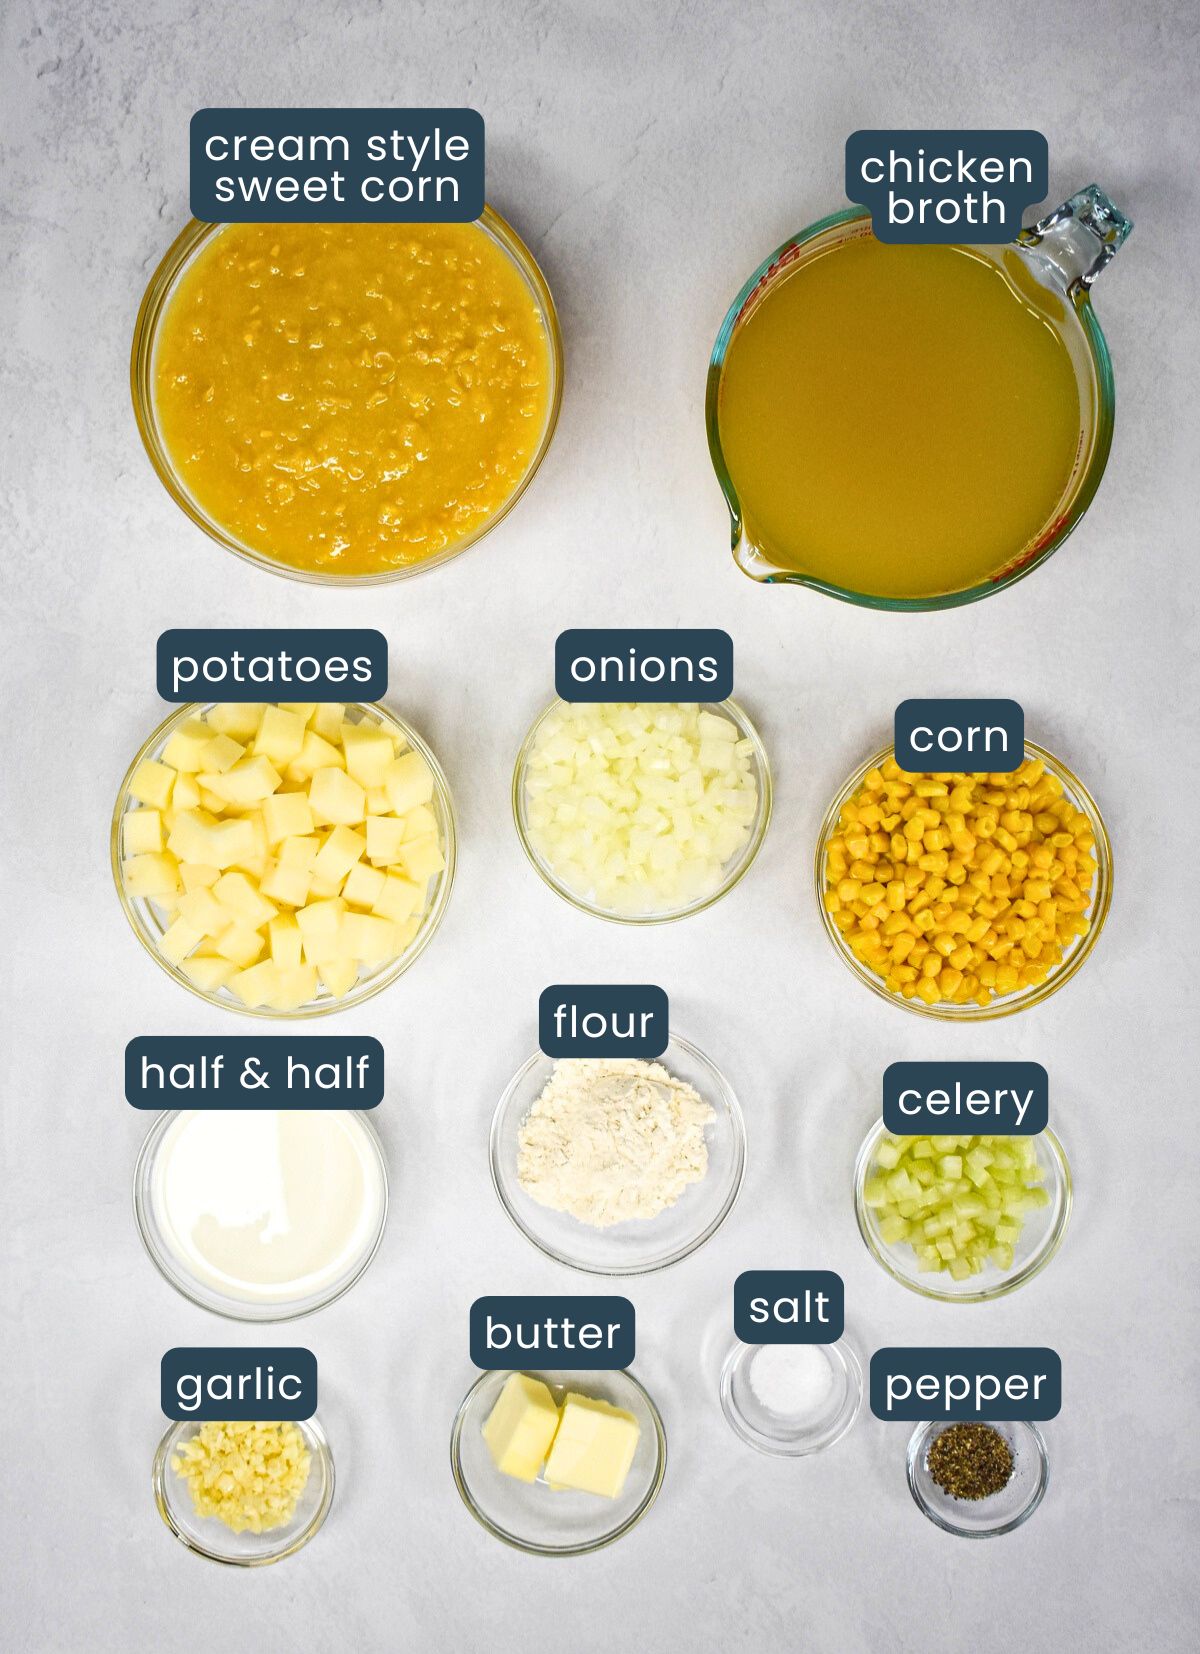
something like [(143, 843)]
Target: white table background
[(650, 155)]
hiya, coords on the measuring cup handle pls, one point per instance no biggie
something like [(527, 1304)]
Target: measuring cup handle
[(1079, 238)]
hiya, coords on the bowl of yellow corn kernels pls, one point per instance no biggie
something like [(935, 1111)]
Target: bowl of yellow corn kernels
[(284, 860), (965, 896)]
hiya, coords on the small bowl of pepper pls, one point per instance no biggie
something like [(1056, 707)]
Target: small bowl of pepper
[(978, 1479)]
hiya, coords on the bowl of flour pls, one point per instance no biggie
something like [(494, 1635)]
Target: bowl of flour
[(618, 1166)]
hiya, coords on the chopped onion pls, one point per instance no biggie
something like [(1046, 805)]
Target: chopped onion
[(639, 807)]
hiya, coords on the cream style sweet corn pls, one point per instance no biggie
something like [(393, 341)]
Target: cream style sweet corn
[(249, 1476), (960, 888)]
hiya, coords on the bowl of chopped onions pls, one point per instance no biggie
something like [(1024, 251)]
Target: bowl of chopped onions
[(642, 812)]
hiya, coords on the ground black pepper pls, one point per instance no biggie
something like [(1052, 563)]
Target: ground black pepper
[(970, 1461)]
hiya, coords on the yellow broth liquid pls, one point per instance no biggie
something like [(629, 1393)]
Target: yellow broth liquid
[(900, 421), (352, 398)]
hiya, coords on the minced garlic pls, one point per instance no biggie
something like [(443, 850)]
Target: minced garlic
[(249, 1476)]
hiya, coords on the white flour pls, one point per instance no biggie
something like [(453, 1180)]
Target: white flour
[(611, 1139)]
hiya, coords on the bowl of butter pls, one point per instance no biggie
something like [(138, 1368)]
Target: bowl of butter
[(558, 1463)]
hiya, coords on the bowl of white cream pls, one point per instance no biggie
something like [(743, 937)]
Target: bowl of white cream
[(261, 1214)]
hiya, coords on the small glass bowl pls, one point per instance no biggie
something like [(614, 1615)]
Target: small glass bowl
[(149, 924), (1078, 795), (640, 1246), (775, 1433), (208, 1297), (208, 1536), (734, 870), (179, 257), (1001, 1512), (1041, 1234), (533, 1517)]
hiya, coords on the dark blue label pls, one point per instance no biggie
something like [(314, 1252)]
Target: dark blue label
[(960, 736), (209, 663), (966, 1384), (924, 185), (349, 166), (254, 1071), (789, 1306), (643, 664), (572, 1333), (603, 1020), (239, 1384), (1009, 1099)]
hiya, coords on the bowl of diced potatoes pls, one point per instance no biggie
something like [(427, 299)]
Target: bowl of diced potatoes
[(284, 860)]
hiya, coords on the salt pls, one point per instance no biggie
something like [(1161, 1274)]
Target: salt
[(791, 1380)]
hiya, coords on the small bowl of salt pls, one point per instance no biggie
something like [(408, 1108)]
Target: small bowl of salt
[(791, 1399)]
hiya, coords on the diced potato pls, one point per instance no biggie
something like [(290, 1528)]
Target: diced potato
[(152, 876), (141, 832), (320, 890), (338, 854), (185, 794), (327, 721), (339, 976), (421, 858), (295, 987), (367, 937), (246, 784), (186, 748), (198, 875), (299, 852), (284, 939), (152, 783), (420, 823), (409, 782), (286, 815), (222, 753), (364, 886), (305, 710), (290, 885), (280, 736), (240, 719), (337, 798), (399, 899), (369, 750), (238, 893), (378, 802), (178, 940), (316, 754), (202, 909), (321, 918), (208, 974), (240, 944), (257, 984), (385, 837)]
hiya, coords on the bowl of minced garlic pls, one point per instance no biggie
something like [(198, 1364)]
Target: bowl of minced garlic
[(244, 1492), (964, 895)]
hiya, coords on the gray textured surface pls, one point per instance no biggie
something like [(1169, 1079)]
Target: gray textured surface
[(649, 163)]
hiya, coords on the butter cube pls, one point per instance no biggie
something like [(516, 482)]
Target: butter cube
[(594, 1447), (521, 1427)]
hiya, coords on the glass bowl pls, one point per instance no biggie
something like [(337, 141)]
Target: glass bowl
[(1078, 795), (163, 285), (776, 1433), (734, 869), (208, 1536), (999, 1513), (640, 1246), (149, 923), (154, 1231), (533, 1517), (1041, 1235)]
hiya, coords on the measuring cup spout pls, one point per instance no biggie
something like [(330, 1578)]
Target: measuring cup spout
[(1079, 239)]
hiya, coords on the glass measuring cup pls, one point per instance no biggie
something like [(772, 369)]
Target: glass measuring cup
[(1064, 252)]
